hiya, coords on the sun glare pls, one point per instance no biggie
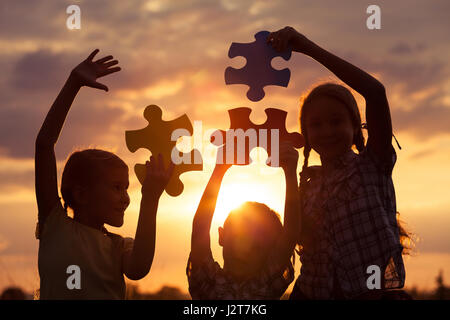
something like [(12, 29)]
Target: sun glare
[(253, 185)]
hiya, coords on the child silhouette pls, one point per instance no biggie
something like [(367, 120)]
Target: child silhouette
[(94, 185), (256, 246), (348, 207)]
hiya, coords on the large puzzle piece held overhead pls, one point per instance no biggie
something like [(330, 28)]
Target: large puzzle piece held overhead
[(156, 137), (240, 119), (258, 72)]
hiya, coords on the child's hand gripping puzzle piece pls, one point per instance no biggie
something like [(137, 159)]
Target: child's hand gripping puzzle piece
[(160, 137)]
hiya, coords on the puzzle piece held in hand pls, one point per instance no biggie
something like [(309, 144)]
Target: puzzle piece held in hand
[(240, 119), (258, 72), (156, 137)]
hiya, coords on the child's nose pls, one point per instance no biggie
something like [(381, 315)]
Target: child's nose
[(126, 199), (328, 131)]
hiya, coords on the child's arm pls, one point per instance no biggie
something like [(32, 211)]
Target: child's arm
[(85, 74), (137, 262), (200, 239), (288, 161), (377, 107)]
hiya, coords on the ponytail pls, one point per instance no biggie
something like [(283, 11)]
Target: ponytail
[(358, 139), (306, 153), (302, 185)]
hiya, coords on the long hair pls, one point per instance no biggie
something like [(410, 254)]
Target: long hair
[(408, 239), (343, 95)]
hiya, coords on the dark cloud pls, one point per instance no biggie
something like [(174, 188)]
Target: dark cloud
[(30, 89), (402, 48), (23, 19), (86, 124), (416, 74), (27, 92), (40, 70), (424, 122), (426, 118), (18, 130)]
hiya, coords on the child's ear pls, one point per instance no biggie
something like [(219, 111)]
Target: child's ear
[(221, 236)]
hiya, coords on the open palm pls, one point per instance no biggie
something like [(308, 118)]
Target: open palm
[(88, 71)]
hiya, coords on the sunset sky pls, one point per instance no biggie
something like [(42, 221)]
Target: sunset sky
[(174, 54)]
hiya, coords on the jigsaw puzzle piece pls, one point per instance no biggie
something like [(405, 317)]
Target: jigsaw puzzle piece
[(157, 137), (258, 71), (241, 146), (239, 119), (276, 119)]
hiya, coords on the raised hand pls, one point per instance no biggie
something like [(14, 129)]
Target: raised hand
[(156, 176), (87, 72), (288, 36)]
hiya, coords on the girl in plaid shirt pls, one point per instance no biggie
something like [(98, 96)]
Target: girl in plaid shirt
[(348, 220)]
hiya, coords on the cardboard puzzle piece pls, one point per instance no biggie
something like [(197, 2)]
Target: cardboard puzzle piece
[(156, 137), (240, 119), (258, 71)]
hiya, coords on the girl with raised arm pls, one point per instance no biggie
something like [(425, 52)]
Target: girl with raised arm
[(348, 229), (78, 257)]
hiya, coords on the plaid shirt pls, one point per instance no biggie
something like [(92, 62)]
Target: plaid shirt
[(208, 281), (350, 223)]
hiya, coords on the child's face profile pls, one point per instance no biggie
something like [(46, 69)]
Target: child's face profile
[(109, 197), (329, 127)]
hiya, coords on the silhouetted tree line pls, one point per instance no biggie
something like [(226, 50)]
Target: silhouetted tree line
[(164, 293), (441, 292)]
